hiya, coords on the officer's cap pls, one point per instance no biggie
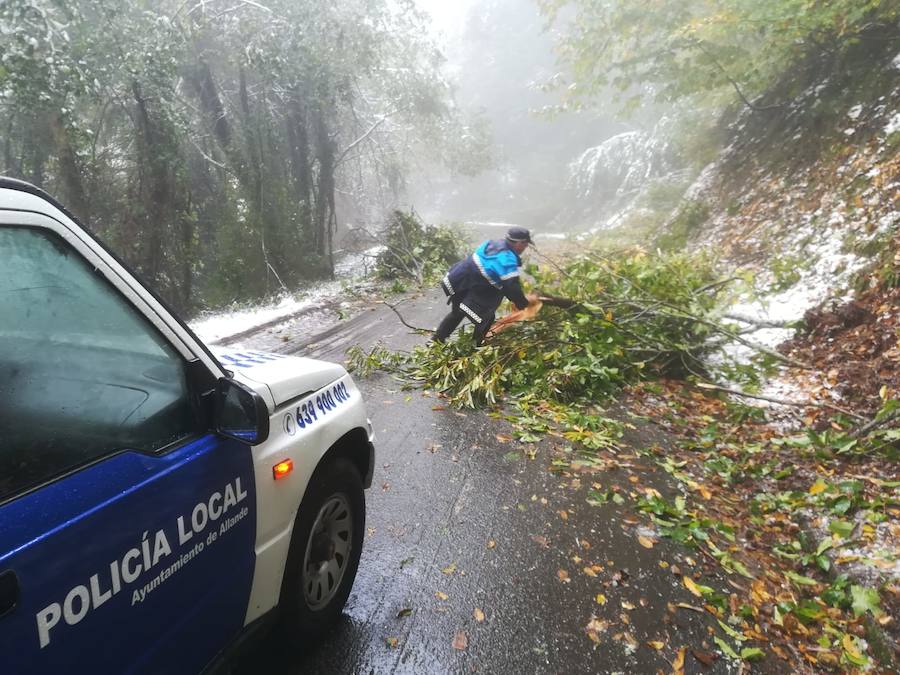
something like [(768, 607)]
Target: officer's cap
[(515, 234)]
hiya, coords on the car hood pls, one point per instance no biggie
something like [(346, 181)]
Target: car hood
[(287, 377)]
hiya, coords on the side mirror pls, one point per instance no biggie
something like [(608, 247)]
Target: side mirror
[(240, 413)]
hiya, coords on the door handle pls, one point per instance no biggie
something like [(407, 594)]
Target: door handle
[(9, 592)]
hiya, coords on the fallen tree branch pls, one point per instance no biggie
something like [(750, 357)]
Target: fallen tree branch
[(403, 321), (762, 349), (717, 284), (556, 301), (779, 401), (759, 323), (860, 431)]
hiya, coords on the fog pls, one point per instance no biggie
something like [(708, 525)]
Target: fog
[(499, 54)]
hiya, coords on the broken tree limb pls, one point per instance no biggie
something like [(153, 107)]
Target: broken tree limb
[(779, 401), (717, 284), (556, 301), (759, 323), (875, 424)]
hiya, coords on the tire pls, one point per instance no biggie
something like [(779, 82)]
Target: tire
[(325, 549)]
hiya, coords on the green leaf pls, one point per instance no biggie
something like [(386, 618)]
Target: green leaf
[(842, 528), (808, 612), (800, 580), (841, 506), (865, 600), (741, 569), (597, 498), (823, 546), (740, 637), (726, 648), (752, 654)]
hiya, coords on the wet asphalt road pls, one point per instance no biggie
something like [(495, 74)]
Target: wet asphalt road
[(478, 558)]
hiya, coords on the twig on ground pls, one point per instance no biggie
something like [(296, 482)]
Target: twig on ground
[(418, 329)]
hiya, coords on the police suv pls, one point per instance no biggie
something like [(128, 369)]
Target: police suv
[(156, 501)]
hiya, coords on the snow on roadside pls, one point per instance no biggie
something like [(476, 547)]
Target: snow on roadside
[(830, 268), (893, 125), (211, 327)]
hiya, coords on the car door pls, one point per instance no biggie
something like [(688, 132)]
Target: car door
[(126, 528)]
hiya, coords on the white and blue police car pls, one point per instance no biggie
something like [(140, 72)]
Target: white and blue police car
[(157, 502)]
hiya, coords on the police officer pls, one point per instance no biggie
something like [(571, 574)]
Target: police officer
[(476, 285)]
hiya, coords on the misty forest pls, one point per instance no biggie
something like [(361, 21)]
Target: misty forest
[(713, 188)]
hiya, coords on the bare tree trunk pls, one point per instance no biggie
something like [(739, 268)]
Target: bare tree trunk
[(324, 221), (298, 138), (156, 195), (69, 168), (12, 165), (204, 85)]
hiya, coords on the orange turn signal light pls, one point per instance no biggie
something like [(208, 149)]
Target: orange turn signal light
[(282, 469)]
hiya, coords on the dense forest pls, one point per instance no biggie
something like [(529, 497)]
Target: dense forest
[(212, 144)]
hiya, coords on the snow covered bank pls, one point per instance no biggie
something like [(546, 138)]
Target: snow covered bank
[(212, 327)]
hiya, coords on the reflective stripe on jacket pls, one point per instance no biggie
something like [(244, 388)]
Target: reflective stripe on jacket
[(480, 282)]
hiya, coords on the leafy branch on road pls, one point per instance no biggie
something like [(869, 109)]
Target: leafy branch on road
[(650, 328), (416, 251)]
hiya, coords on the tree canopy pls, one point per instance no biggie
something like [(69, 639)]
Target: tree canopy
[(213, 144), (665, 50)]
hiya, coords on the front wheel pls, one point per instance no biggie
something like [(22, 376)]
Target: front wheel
[(325, 548)]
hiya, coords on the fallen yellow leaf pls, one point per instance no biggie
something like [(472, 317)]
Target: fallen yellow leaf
[(656, 644), (646, 542), (563, 576), (479, 615), (849, 645), (601, 599), (817, 487), (678, 663), (589, 572), (441, 596), (691, 586), (392, 642)]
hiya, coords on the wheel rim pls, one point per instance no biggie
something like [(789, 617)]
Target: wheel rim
[(327, 552)]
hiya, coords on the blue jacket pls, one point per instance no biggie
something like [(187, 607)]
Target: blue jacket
[(479, 282)]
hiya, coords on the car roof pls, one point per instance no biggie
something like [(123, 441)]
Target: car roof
[(22, 186)]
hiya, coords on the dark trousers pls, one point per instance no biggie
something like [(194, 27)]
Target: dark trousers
[(453, 319)]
